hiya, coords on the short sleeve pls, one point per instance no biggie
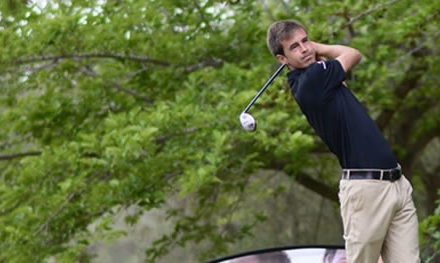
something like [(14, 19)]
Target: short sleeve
[(326, 75), (319, 83)]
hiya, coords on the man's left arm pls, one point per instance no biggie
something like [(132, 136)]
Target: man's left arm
[(347, 56)]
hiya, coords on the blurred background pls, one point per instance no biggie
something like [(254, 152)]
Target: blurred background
[(120, 139)]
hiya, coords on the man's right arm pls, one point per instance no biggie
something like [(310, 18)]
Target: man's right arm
[(347, 56)]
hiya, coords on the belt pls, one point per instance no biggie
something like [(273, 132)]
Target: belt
[(374, 174)]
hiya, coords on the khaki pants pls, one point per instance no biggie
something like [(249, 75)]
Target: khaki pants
[(379, 218)]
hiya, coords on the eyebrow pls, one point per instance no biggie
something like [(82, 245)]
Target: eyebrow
[(295, 44)]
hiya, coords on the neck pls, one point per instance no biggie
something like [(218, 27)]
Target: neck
[(291, 68)]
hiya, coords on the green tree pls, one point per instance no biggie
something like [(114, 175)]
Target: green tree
[(111, 104)]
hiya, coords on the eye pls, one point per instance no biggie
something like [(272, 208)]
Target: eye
[(305, 40), (292, 47)]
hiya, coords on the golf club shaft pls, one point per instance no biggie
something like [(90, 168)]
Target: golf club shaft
[(248, 107)]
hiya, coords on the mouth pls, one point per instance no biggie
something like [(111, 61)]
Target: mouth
[(308, 58)]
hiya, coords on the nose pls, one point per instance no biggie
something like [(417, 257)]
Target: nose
[(303, 48)]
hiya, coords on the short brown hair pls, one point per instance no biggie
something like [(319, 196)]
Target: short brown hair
[(280, 31)]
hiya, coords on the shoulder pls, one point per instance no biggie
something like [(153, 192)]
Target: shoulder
[(323, 67), (325, 73)]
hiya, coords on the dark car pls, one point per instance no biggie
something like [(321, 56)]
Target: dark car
[(304, 254)]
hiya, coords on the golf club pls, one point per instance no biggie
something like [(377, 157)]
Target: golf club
[(247, 121)]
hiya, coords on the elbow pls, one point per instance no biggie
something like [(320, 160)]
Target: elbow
[(350, 59), (358, 56)]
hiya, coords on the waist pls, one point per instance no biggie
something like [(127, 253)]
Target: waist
[(392, 175)]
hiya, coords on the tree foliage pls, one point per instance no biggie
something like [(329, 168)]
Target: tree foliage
[(111, 104)]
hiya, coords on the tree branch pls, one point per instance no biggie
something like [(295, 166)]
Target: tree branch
[(12, 208), (318, 187), (432, 184), (406, 124), (131, 75), (346, 15), (370, 11), (90, 72), (202, 14), (408, 83), (8, 157), (56, 213), (47, 66), (267, 10), (119, 87), (414, 149), (212, 62), (92, 55), (323, 189), (416, 50)]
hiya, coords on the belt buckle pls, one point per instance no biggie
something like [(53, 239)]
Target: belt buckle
[(395, 175)]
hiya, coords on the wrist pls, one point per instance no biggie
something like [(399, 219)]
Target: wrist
[(319, 49)]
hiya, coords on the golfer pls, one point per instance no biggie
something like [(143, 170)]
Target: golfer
[(377, 209)]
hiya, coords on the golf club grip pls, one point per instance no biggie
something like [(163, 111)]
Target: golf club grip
[(264, 87)]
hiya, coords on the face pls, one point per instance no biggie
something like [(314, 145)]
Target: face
[(298, 50)]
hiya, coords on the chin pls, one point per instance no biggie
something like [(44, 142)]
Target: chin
[(308, 64)]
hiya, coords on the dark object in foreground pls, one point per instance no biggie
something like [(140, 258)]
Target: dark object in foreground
[(303, 254)]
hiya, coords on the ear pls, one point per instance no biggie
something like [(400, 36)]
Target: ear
[(282, 59)]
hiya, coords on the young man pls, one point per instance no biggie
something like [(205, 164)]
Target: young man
[(377, 210)]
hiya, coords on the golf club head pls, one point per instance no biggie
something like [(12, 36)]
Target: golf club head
[(248, 122)]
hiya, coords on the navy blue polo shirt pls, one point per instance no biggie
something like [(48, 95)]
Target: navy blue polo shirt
[(339, 118)]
